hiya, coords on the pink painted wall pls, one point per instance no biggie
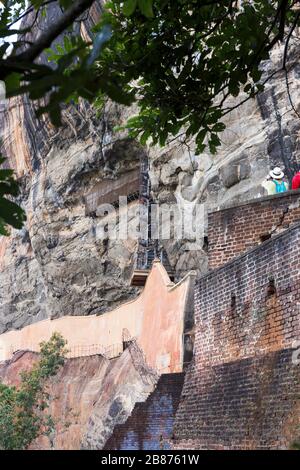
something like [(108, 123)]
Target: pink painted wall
[(155, 319)]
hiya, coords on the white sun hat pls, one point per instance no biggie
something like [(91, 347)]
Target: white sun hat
[(276, 173)]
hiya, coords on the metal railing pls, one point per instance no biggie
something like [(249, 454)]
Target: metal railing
[(114, 350), (81, 350), (110, 352), (77, 350)]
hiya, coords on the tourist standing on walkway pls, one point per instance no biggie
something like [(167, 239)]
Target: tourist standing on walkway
[(296, 181), (274, 183)]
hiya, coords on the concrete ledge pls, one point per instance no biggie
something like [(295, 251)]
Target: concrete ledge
[(258, 200)]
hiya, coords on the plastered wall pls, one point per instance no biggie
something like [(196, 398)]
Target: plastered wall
[(155, 318)]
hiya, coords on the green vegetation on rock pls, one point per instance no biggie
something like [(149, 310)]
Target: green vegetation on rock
[(23, 415)]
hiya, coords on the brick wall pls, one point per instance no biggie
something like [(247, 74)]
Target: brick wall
[(150, 425), (242, 389), (234, 230)]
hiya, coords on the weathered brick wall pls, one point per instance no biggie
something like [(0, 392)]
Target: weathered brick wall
[(235, 230), (242, 389), (150, 425)]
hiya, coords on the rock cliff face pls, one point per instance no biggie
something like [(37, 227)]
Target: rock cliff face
[(56, 265), (89, 396), (260, 134)]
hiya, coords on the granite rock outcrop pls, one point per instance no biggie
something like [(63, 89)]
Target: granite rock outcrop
[(56, 265)]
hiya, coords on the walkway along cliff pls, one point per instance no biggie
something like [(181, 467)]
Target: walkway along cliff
[(156, 319), (241, 389)]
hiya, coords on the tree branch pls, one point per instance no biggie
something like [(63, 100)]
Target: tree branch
[(229, 110), (279, 36), (281, 12), (288, 40), (29, 10), (285, 54), (46, 39)]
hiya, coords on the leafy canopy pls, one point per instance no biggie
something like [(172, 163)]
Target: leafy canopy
[(22, 409), (180, 61)]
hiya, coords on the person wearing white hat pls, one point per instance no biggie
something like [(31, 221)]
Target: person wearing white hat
[(274, 183)]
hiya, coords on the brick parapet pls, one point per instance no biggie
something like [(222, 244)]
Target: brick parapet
[(236, 229)]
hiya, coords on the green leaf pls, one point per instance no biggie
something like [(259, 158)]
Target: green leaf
[(117, 94), (10, 213), (129, 7), (37, 3), (200, 148), (233, 88), (256, 74), (260, 87), (146, 7), (219, 127), (201, 136), (3, 229), (55, 116), (65, 4), (145, 136), (12, 82)]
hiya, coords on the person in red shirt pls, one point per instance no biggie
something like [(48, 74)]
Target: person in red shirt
[(296, 181)]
